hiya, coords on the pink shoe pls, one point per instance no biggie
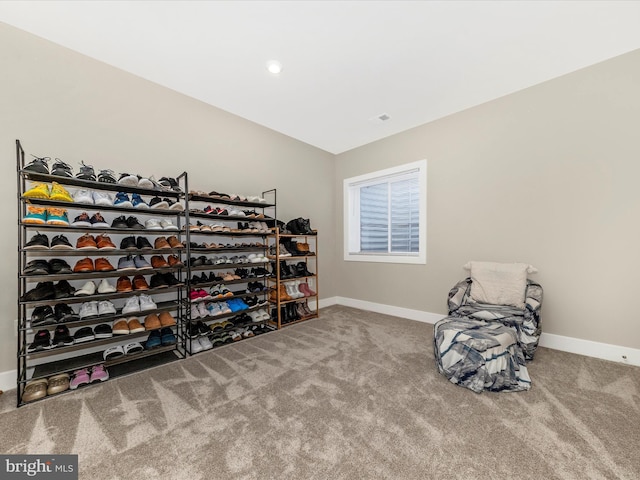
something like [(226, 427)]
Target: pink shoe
[(80, 377), (99, 374), (307, 291)]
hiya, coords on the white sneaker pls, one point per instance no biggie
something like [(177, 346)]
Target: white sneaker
[(194, 345), (88, 288), (224, 308), (205, 343), (105, 307), (147, 303), (255, 316), (132, 305), (83, 196), (106, 287), (166, 224), (265, 314), (88, 309), (153, 224), (214, 309), (145, 183), (195, 312), (102, 198), (202, 310)]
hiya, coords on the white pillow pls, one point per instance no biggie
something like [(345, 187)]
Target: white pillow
[(499, 283)]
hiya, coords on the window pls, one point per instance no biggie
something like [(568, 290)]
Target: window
[(385, 216)]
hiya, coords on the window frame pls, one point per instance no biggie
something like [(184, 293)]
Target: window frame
[(351, 214)]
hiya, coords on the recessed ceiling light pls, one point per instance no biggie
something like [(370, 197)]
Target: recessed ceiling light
[(274, 67)]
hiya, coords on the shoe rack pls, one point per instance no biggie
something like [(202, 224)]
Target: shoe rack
[(47, 363), (226, 262), (294, 286)]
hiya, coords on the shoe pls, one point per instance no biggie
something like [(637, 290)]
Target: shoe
[(140, 263), (83, 196), (57, 383), (124, 284), (98, 374), (152, 322), (88, 288), (166, 224), (40, 190), (138, 202), (64, 313), (154, 340), (131, 305), (42, 315), (133, 348), (121, 327), (168, 338), (169, 184), (173, 205), (113, 352), (89, 309), (84, 265), (158, 281), (122, 200), (158, 261), (105, 307), (60, 242), (86, 172), (37, 267), (61, 337), (194, 346), (128, 243), (41, 341), (35, 215), (119, 222), (59, 193), (126, 263), (37, 242), (79, 377), (161, 243), (157, 202), (105, 286), (166, 319), (103, 265), (86, 242), (174, 242), (135, 326), (174, 261), (143, 244), (132, 222), (38, 165), (102, 198), (195, 312), (61, 169), (97, 221), (128, 180), (107, 176), (205, 343), (170, 279), (42, 291), (139, 283), (202, 310), (153, 224), (147, 303), (82, 220), (103, 330), (85, 334), (104, 242)]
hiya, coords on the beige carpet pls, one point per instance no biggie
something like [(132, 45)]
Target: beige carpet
[(352, 395)]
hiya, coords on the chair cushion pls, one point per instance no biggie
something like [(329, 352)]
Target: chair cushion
[(499, 283)]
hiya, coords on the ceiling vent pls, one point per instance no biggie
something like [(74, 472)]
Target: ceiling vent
[(383, 117)]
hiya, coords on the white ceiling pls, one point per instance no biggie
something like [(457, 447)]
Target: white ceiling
[(344, 62)]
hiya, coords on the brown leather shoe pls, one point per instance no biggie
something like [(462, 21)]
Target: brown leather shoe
[(135, 326), (160, 243), (174, 242), (103, 265), (284, 296), (124, 285), (158, 261), (152, 322), (166, 319), (104, 242), (84, 265), (139, 283), (121, 327), (86, 242), (174, 261)]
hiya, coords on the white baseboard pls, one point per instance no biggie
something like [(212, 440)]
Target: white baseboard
[(614, 353), (8, 380)]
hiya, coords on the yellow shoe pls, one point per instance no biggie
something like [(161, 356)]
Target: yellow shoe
[(59, 193), (41, 190)]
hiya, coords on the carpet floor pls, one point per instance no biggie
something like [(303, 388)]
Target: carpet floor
[(351, 395)]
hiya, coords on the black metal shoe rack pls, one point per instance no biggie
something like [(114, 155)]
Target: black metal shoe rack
[(66, 359)]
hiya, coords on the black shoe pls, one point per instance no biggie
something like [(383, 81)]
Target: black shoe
[(63, 289), (214, 278), (120, 222), (132, 222), (285, 271), (38, 165), (84, 334), (37, 267), (158, 281), (193, 331), (41, 341), (171, 280), (42, 315), (64, 313), (202, 328), (106, 176), (128, 243), (143, 244), (37, 242), (59, 266), (60, 242), (86, 172), (42, 291), (195, 280), (61, 169), (169, 183), (301, 270), (61, 336)]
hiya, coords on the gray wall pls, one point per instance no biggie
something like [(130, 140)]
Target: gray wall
[(62, 104), (547, 176)]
